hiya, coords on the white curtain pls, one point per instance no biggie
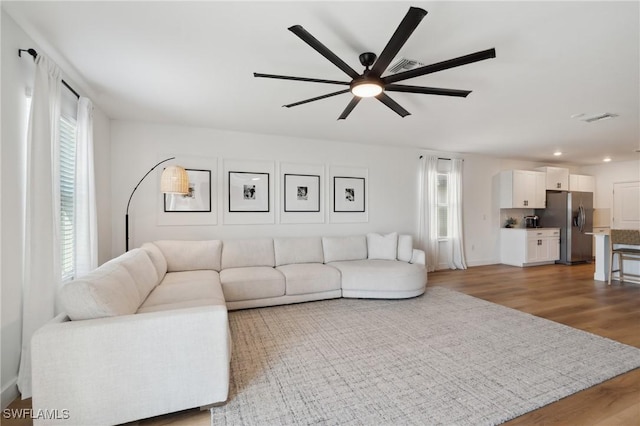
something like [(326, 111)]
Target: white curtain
[(86, 222), (428, 214), (455, 256), (41, 275)]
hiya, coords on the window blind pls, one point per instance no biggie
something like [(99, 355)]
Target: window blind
[(67, 186)]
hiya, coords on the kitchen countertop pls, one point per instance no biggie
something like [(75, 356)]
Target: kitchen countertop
[(530, 229)]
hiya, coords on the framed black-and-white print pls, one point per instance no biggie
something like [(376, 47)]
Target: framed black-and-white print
[(248, 192), (348, 194), (198, 199), (301, 193)]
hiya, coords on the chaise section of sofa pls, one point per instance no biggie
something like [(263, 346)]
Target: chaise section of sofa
[(377, 266)]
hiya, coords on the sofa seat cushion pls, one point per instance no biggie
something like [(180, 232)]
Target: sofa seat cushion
[(185, 290), (381, 275), (257, 282), (305, 278)]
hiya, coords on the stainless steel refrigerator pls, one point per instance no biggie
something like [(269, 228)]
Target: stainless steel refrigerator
[(572, 212)]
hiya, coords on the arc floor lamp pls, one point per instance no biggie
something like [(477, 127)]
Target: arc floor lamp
[(174, 180)]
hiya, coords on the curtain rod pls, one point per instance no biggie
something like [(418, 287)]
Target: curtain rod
[(443, 158), (33, 53)]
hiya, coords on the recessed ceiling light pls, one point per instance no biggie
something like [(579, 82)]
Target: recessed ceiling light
[(606, 159), (557, 153)]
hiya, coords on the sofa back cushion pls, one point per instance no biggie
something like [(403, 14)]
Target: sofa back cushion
[(246, 253), (107, 291), (337, 249), (405, 248), (191, 255), (382, 247), (157, 258), (298, 250), (139, 265)]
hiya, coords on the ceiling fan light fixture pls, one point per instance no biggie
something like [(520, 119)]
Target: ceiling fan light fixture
[(366, 88)]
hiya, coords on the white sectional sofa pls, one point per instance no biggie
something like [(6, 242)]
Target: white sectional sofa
[(147, 333)]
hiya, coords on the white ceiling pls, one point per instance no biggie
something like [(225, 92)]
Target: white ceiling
[(192, 63)]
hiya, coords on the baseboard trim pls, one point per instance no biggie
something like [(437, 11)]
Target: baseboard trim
[(10, 392), (482, 263)]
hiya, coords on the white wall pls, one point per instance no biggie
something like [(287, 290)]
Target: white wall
[(136, 147), (17, 75), (102, 164), (606, 175), (393, 175)]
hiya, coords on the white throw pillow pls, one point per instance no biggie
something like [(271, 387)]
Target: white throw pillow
[(383, 247)]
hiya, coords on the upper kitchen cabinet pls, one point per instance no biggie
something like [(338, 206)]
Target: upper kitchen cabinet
[(582, 183), (557, 178), (522, 189)]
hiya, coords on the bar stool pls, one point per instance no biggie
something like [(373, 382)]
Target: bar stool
[(627, 237)]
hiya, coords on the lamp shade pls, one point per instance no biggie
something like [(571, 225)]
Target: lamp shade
[(174, 180)]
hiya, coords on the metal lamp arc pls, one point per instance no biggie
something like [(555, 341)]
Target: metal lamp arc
[(174, 180)]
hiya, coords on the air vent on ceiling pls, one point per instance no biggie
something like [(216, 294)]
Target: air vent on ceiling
[(404, 64), (594, 117)]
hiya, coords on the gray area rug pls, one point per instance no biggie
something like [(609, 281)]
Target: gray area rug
[(442, 358)]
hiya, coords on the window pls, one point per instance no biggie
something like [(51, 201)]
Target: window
[(443, 205), (67, 189)]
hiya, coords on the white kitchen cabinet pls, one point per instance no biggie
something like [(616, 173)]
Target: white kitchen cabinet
[(557, 178), (554, 245), (529, 247), (582, 183), (522, 189)]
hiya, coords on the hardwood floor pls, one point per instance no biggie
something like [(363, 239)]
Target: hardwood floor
[(568, 295), (565, 294)]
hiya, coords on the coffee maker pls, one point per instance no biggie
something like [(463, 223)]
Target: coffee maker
[(531, 221)]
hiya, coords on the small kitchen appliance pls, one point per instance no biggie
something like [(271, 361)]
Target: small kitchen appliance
[(532, 221)]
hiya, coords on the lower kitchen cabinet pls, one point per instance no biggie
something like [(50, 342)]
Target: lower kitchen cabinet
[(529, 247)]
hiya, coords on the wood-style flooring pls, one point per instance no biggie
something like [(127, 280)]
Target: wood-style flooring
[(565, 294)]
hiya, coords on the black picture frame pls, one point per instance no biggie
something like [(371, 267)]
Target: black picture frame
[(349, 194), (249, 192), (301, 193)]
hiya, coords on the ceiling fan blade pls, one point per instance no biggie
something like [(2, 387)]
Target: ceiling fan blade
[(349, 108), (385, 99), (426, 90), (398, 39), (323, 50), (313, 80), (440, 66), (317, 98)]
